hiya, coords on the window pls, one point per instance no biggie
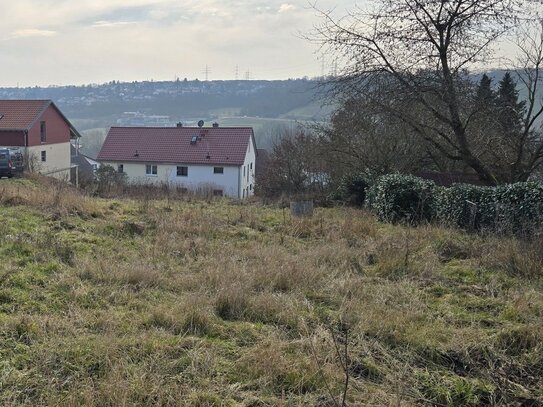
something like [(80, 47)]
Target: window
[(218, 170), (217, 192), (43, 156), (244, 171), (251, 187), (120, 168), (251, 166), (182, 171), (151, 169), (43, 131)]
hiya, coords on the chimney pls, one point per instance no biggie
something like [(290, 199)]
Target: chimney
[(215, 125), (179, 124)]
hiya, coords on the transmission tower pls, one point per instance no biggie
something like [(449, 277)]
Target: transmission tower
[(323, 68), (206, 72), (236, 71), (248, 75)]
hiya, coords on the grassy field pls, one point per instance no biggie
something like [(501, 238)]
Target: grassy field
[(121, 302)]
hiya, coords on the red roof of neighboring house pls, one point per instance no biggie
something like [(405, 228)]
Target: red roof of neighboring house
[(217, 145), (21, 114)]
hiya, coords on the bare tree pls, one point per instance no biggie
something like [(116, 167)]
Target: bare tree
[(424, 48), (529, 146), (360, 139), (294, 166)]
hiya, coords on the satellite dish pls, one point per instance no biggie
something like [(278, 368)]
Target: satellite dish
[(201, 123)]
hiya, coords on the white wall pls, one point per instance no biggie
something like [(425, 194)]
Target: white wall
[(199, 176), (58, 157), (247, 181)]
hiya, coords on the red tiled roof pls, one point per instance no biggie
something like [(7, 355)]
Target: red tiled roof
[(221, 145), (21, 114)]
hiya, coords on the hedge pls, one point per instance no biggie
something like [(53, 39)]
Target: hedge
[(466, 206), (402, 198), (515, 208), (519, 207), (352, 189)]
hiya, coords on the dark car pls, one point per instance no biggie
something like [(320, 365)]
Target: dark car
[(11, 162)]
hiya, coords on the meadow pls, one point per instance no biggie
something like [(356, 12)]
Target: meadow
[(180, 301)]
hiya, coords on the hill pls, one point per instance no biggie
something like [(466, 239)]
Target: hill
[(180, 301), (269, 106)]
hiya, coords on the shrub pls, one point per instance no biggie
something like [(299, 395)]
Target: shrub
[(396, 198), (519, 207), (352, 189), (466, 206), (108, 178), (512, 208)]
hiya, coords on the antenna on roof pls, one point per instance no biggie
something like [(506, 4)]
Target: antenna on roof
[(201, 123)]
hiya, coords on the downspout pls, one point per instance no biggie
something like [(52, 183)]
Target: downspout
[(239, 182)]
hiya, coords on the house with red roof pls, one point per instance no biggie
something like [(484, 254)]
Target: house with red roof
[(41, 132), (221, 160)]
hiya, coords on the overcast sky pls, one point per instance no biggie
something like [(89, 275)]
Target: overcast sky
[(44, 42)]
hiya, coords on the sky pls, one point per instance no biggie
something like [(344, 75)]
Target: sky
[(63, 42)]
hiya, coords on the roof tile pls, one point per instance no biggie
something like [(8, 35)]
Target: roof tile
[(221, 145), (20, 114)]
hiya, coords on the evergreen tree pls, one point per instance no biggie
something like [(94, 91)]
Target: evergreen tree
[(485, 95), (510, 111)]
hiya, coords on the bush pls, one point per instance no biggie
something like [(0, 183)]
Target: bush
[(519, 207), (509, 208), (108, 178), (466, 207), (396, 198), (352, 189)]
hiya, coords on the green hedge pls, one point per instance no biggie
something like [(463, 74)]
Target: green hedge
[(402, 198), (515, 208), (352, 189), (466, 206), (519, 207)]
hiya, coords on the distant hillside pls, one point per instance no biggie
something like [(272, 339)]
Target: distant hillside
[(163, 103), (269, 106)]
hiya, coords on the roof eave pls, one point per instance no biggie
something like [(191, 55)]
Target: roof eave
[(143, 161)]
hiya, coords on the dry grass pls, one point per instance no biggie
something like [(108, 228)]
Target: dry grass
[(188, 302)]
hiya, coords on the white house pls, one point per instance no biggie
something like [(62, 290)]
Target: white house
[(218, 159)]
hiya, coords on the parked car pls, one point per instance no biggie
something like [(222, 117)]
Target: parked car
[(11, 162)]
